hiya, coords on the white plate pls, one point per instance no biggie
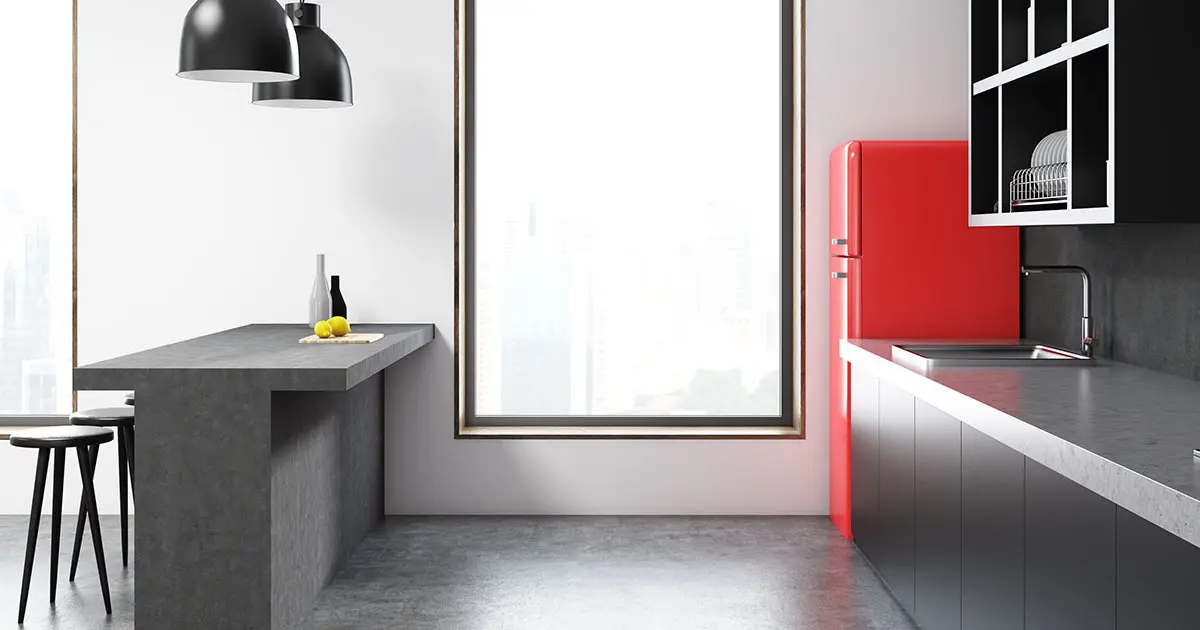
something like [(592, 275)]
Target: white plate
[(1050, 150), (1038, 152)]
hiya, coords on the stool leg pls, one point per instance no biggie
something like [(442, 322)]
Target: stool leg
[(129, 454), (94, 455), (60, 460), (35, 517), (123, 476), (89, 492)]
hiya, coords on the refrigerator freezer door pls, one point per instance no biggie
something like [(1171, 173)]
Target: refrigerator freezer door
[(845, 322), (845, 207)]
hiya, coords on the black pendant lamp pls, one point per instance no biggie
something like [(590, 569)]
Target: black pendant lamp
[(238, 41), (324, 73)]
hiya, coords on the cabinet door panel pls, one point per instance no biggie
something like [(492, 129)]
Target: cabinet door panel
[(1157, 577), (864, 462), (896, 498), (938, 519), (993, 534), (1070, 554)]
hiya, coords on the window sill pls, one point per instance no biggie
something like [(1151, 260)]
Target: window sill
[(6, 431), (16, 422), (632, 433)]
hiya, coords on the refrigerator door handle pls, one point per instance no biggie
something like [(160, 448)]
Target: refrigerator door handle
[(838, 275), (839, 241)]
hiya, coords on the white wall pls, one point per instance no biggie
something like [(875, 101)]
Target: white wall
[(199, 212), (876, 69)]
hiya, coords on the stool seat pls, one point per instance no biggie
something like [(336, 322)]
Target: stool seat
[(104, 417), (129, 398), (60, 437)]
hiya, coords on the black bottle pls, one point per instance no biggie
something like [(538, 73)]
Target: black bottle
[(338, 304)]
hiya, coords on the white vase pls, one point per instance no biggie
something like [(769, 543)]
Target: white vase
[(318, 302)]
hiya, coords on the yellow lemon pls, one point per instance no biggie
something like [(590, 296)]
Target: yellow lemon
[(339, 325), (323, 330)]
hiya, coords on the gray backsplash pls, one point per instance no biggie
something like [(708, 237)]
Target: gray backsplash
[(1145, 292)]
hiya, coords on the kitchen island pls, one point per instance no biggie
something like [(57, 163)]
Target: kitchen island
[(259, 468), (1027, 497)]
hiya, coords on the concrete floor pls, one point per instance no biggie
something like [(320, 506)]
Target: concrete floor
[(79, 605), (531, 573), (599, 573)]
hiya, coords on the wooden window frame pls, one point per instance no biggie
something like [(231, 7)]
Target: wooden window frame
[(791, 423)]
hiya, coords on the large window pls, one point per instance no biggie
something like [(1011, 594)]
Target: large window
[(627, 220), (36, 210)]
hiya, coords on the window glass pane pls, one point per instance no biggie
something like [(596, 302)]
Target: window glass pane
[(627, 207), (35, 209)]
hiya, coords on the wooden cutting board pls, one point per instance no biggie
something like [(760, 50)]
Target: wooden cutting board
[(349, 338)]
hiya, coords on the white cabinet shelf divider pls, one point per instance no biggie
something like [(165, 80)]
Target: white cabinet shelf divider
[(1066, 51), (1074, 216)]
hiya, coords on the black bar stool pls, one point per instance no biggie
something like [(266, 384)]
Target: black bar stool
[(60, 439), (122, 419), (129, 399)]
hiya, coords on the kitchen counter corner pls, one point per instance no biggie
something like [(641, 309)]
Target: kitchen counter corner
[(1123, 432)]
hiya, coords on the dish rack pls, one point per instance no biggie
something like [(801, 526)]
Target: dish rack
[(1039, 185)]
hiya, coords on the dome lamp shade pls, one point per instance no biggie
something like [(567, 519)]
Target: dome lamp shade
[(324, 72), (238, 41)]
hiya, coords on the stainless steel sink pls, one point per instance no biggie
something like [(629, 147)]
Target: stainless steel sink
[(987, 355)]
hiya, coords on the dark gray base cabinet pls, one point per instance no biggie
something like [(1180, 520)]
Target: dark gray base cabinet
[(993, 534), (938, 513), (1158, 577), (971, 535), (1070, 554), (896, 557), (864, 462)]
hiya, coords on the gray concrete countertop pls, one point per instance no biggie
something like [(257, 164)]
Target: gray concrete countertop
[(269, 355), (1124, 432), (259, 467)]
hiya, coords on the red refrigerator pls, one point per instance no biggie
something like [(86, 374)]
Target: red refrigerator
[(905, 264)]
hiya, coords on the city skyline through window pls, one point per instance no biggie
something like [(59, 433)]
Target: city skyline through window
[(627, 209), (35, 211)]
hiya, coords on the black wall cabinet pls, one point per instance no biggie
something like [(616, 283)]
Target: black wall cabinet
[(1102, 70)]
